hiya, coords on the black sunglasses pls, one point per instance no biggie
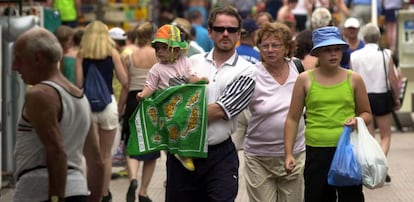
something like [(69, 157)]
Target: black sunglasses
[(222, 29)]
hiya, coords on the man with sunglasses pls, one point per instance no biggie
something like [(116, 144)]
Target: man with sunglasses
[(230, 88)]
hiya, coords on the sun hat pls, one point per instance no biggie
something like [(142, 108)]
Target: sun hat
[(326, 36), (351, 22), (170, 35), (183, 24), (117, 33)]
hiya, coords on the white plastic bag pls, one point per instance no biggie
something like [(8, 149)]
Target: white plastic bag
[(371, 158)]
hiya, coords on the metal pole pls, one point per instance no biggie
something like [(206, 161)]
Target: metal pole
[(13, 88), (374, 12), (1, 97)]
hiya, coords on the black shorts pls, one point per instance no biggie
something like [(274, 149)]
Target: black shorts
[(390, 15), (380, 104)]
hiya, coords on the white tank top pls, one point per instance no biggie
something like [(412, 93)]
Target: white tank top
[(137, 76), (29, 153)]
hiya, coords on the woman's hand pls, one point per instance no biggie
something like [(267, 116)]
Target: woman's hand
[(290, 163)]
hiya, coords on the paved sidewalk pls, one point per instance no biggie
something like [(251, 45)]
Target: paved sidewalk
[(401, 189)]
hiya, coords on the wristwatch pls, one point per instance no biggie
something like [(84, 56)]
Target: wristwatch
[(55, 198)]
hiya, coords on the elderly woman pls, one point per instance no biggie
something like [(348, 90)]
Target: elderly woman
[(266, 178)]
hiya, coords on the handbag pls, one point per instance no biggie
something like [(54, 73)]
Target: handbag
[(344, 170), (370, 157), (389, 94)]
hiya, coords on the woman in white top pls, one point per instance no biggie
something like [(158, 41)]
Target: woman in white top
[(266, 178)]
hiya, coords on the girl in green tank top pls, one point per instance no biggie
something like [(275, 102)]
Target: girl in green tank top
[(333, 97)]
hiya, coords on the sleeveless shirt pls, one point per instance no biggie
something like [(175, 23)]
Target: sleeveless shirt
[(106, 68), (30, 152), (137, 76), (327, 109), (68, 70)]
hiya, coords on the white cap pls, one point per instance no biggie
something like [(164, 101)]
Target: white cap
[(351, 22), (117, 33)]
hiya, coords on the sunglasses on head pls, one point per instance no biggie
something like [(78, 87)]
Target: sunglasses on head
[(222, 29)]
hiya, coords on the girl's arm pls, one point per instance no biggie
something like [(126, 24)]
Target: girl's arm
[(146, 92), (363, 108), (195, 79), (292, 120), (124, 91)]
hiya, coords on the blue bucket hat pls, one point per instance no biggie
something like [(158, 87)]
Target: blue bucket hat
[(326, 36)]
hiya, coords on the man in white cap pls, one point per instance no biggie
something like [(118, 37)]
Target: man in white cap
[(350, 34), (351, 30), (118, 35)]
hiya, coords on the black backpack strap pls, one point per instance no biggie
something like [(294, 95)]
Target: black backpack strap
[(299, 65)]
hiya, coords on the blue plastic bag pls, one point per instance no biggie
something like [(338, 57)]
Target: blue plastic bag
[(344, 170)]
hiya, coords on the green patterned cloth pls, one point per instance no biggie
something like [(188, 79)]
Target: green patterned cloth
[(172, 119)]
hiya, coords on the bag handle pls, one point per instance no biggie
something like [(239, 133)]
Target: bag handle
[(385, 69), (393, 94), (361, 126)]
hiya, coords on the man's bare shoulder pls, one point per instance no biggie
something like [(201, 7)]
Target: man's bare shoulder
[(41, 95)]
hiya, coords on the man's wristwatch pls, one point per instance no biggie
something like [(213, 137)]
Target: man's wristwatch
[(55, 198)]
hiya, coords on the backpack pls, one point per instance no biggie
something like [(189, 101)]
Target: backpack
[(96, 89)]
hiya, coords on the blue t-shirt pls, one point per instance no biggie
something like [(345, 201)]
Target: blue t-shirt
[(202, 37), (346, 56), (248, 53)]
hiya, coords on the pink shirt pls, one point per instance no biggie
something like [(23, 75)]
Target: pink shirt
[(165, 75), (269, 108)]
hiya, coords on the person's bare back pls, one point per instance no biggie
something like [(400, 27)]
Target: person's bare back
[(144, 57)]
